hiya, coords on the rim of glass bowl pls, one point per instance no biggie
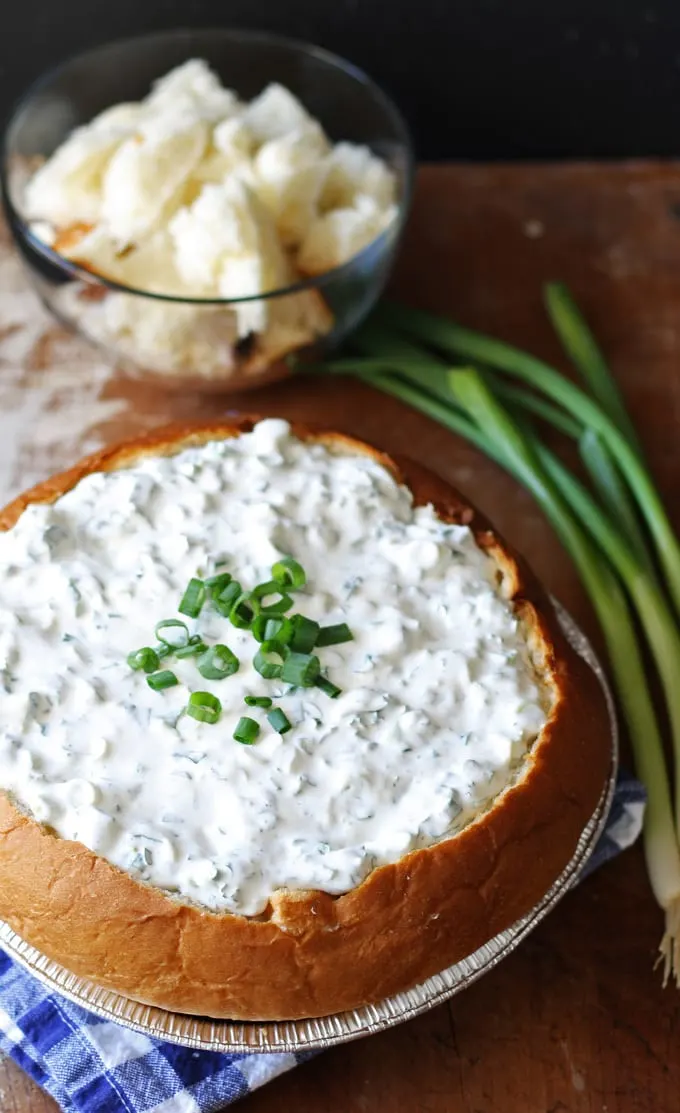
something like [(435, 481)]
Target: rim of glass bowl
[(314, 282)]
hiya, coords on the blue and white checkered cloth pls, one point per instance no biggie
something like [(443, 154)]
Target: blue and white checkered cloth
[(95, 1066)]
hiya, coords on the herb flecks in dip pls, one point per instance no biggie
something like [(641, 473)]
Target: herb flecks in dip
[(439, 702)]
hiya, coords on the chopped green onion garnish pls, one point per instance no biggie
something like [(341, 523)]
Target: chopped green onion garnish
[(279, 720), (195, 647), (173, 632), (334, 635), (218, 663), (258, 701), (269, 659), (160, 680), (328, 688), (224, 601), (145, 659), (244, 610), (216, 584), (289, 573), (193, 599), (164, 650), (265, 629), (204, 706), (263, 591), (301, 669), (246, 731), (305, 634)]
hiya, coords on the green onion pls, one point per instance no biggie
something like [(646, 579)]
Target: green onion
[(225, 599), (269, 659), (244, 610), (334, 635), (521, 398), (160, 680), (279, 721), (328, 688), (580, 344), (194, 649), (218, 663), (193, 599), (301, 670), (264, 591), (609, 483), (173, 633), (288, 573), (204, 706), (265, 629), (145, 659), (216, 584), (304, 635), (246, 731), (258, 701)]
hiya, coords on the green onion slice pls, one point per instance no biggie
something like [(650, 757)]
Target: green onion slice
[(263, 591), (279, 720), (305, 634), (334, 635), (270, 658), (173, 632), (145, 659), (224, 601), (160, 680), (216, 584), (258, 701), (246, 731), (244, 610), (194, 648), (289, 573), (218, 663), (266, 629), (328, 688), (193, 598), (204, 706), (301, 670)]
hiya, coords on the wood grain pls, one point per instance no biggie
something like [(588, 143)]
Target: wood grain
[(575, 1021)]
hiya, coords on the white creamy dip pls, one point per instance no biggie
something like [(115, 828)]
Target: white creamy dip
[(439, 707)]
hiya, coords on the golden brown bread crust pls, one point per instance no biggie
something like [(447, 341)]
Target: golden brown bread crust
[(315, 954)]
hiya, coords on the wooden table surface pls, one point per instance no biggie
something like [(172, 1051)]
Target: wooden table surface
[(575, 1021)]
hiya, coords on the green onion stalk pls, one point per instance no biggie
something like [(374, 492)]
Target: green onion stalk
[(581, 346)]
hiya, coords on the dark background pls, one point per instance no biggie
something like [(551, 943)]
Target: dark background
[(476, 79)]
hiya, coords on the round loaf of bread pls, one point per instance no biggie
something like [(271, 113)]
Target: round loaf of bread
[(416, 855)]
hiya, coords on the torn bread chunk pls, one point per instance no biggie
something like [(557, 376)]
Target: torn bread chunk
[(338, 235)]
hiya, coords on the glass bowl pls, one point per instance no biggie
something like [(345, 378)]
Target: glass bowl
[(192, 342)]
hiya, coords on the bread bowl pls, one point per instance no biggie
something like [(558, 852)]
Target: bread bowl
[(292, 950)]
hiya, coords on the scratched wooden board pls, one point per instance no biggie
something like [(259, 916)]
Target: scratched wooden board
[(575, 1021)]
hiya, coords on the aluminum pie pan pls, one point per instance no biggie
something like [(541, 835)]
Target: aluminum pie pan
[(241, 1037)]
